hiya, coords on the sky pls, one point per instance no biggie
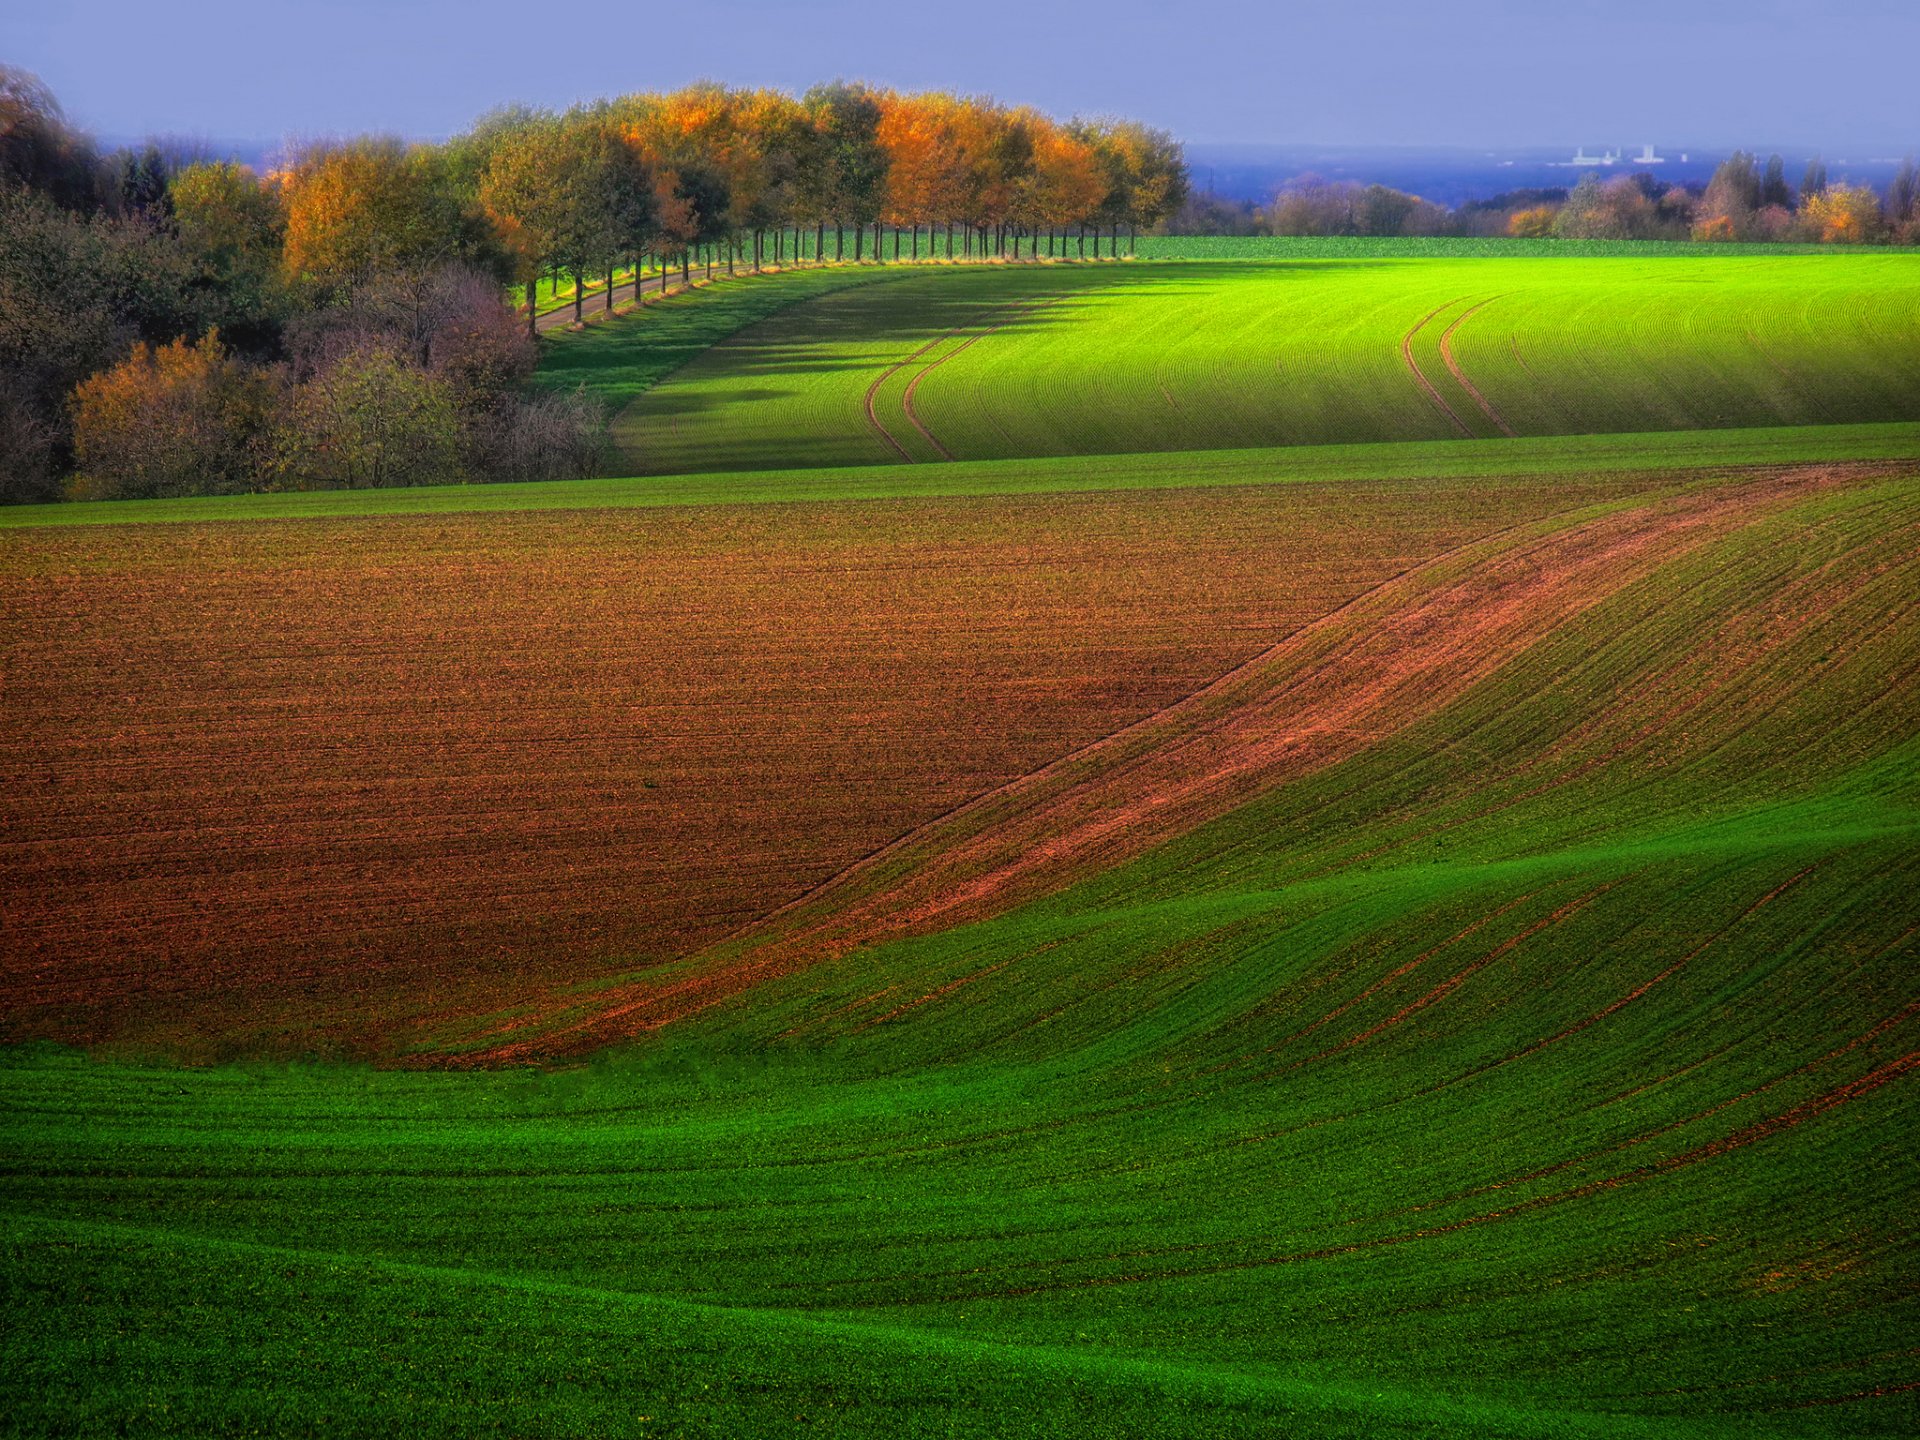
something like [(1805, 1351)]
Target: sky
[(1471, 73)]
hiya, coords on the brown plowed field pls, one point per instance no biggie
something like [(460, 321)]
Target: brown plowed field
[(316, 784), (1392, 655)]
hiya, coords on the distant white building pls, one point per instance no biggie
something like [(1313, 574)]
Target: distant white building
[(1647, 157)]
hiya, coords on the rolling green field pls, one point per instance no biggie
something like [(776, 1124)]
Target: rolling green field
[(1002, 362), (1489, 1008)]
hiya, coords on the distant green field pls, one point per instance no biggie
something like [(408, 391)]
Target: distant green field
[(1542, 1069), (996, 362), (1370, 247)]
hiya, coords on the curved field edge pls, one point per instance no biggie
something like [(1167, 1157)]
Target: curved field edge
[(1525, 457)]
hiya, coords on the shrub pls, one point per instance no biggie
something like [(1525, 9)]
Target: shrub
[(183, 419), (1842, 215), (556, 436), (1533, 223), (369, 418)]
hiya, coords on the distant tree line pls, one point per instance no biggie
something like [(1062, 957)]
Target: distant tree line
[(1744, 201), (172, 325)]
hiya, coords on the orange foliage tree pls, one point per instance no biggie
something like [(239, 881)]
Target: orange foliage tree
[(183, 419)]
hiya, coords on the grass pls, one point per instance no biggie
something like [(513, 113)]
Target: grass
[(617, 362), (1548, 457), (1006, 362), (1540, 1068)]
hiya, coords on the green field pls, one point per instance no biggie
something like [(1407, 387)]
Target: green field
[(1001, 362), (1488, 1009)]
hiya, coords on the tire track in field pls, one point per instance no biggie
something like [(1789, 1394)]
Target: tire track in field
[(1413, 366), (887, 374), (1453, 365), (1019, 311), (1386, 660)]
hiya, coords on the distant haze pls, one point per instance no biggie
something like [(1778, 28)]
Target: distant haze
[(1789, 74)]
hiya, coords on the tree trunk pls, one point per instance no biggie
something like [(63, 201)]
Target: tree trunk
[(533, 307), (579, 296), (608, 307)]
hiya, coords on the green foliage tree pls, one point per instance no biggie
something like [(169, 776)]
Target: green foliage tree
[(854, 164), (1773, 185), (369, 419)]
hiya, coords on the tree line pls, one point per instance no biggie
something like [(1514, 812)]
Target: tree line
[(174, 324), (1745, 200)]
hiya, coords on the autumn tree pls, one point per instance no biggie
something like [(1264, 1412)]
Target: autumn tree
[(1064, 184), (180, 419), (369, 206), (1842, 215), (1533, 223), (851, 187), (567, 193)]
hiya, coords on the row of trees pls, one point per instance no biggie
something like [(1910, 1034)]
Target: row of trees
[(761, 177), (742, 176)]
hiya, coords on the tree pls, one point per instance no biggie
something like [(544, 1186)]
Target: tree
[(1843, 215), (1064, 184), (1773, 185), (567, 193), (368, 420), (37, 149), (1903, 199), (183, 419), (1533, 223), (1733, 195), (853, 177), (232, 227), (358, 209), (1814, 182), (1583, 217)]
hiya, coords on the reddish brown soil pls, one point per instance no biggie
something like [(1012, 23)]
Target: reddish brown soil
[(1392, 656), (322, 783)]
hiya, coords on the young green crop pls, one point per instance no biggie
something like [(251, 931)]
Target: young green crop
[(1543, 1069), (1075, 360)]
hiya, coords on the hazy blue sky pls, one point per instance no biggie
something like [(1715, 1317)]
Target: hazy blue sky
[(1467, 72)]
